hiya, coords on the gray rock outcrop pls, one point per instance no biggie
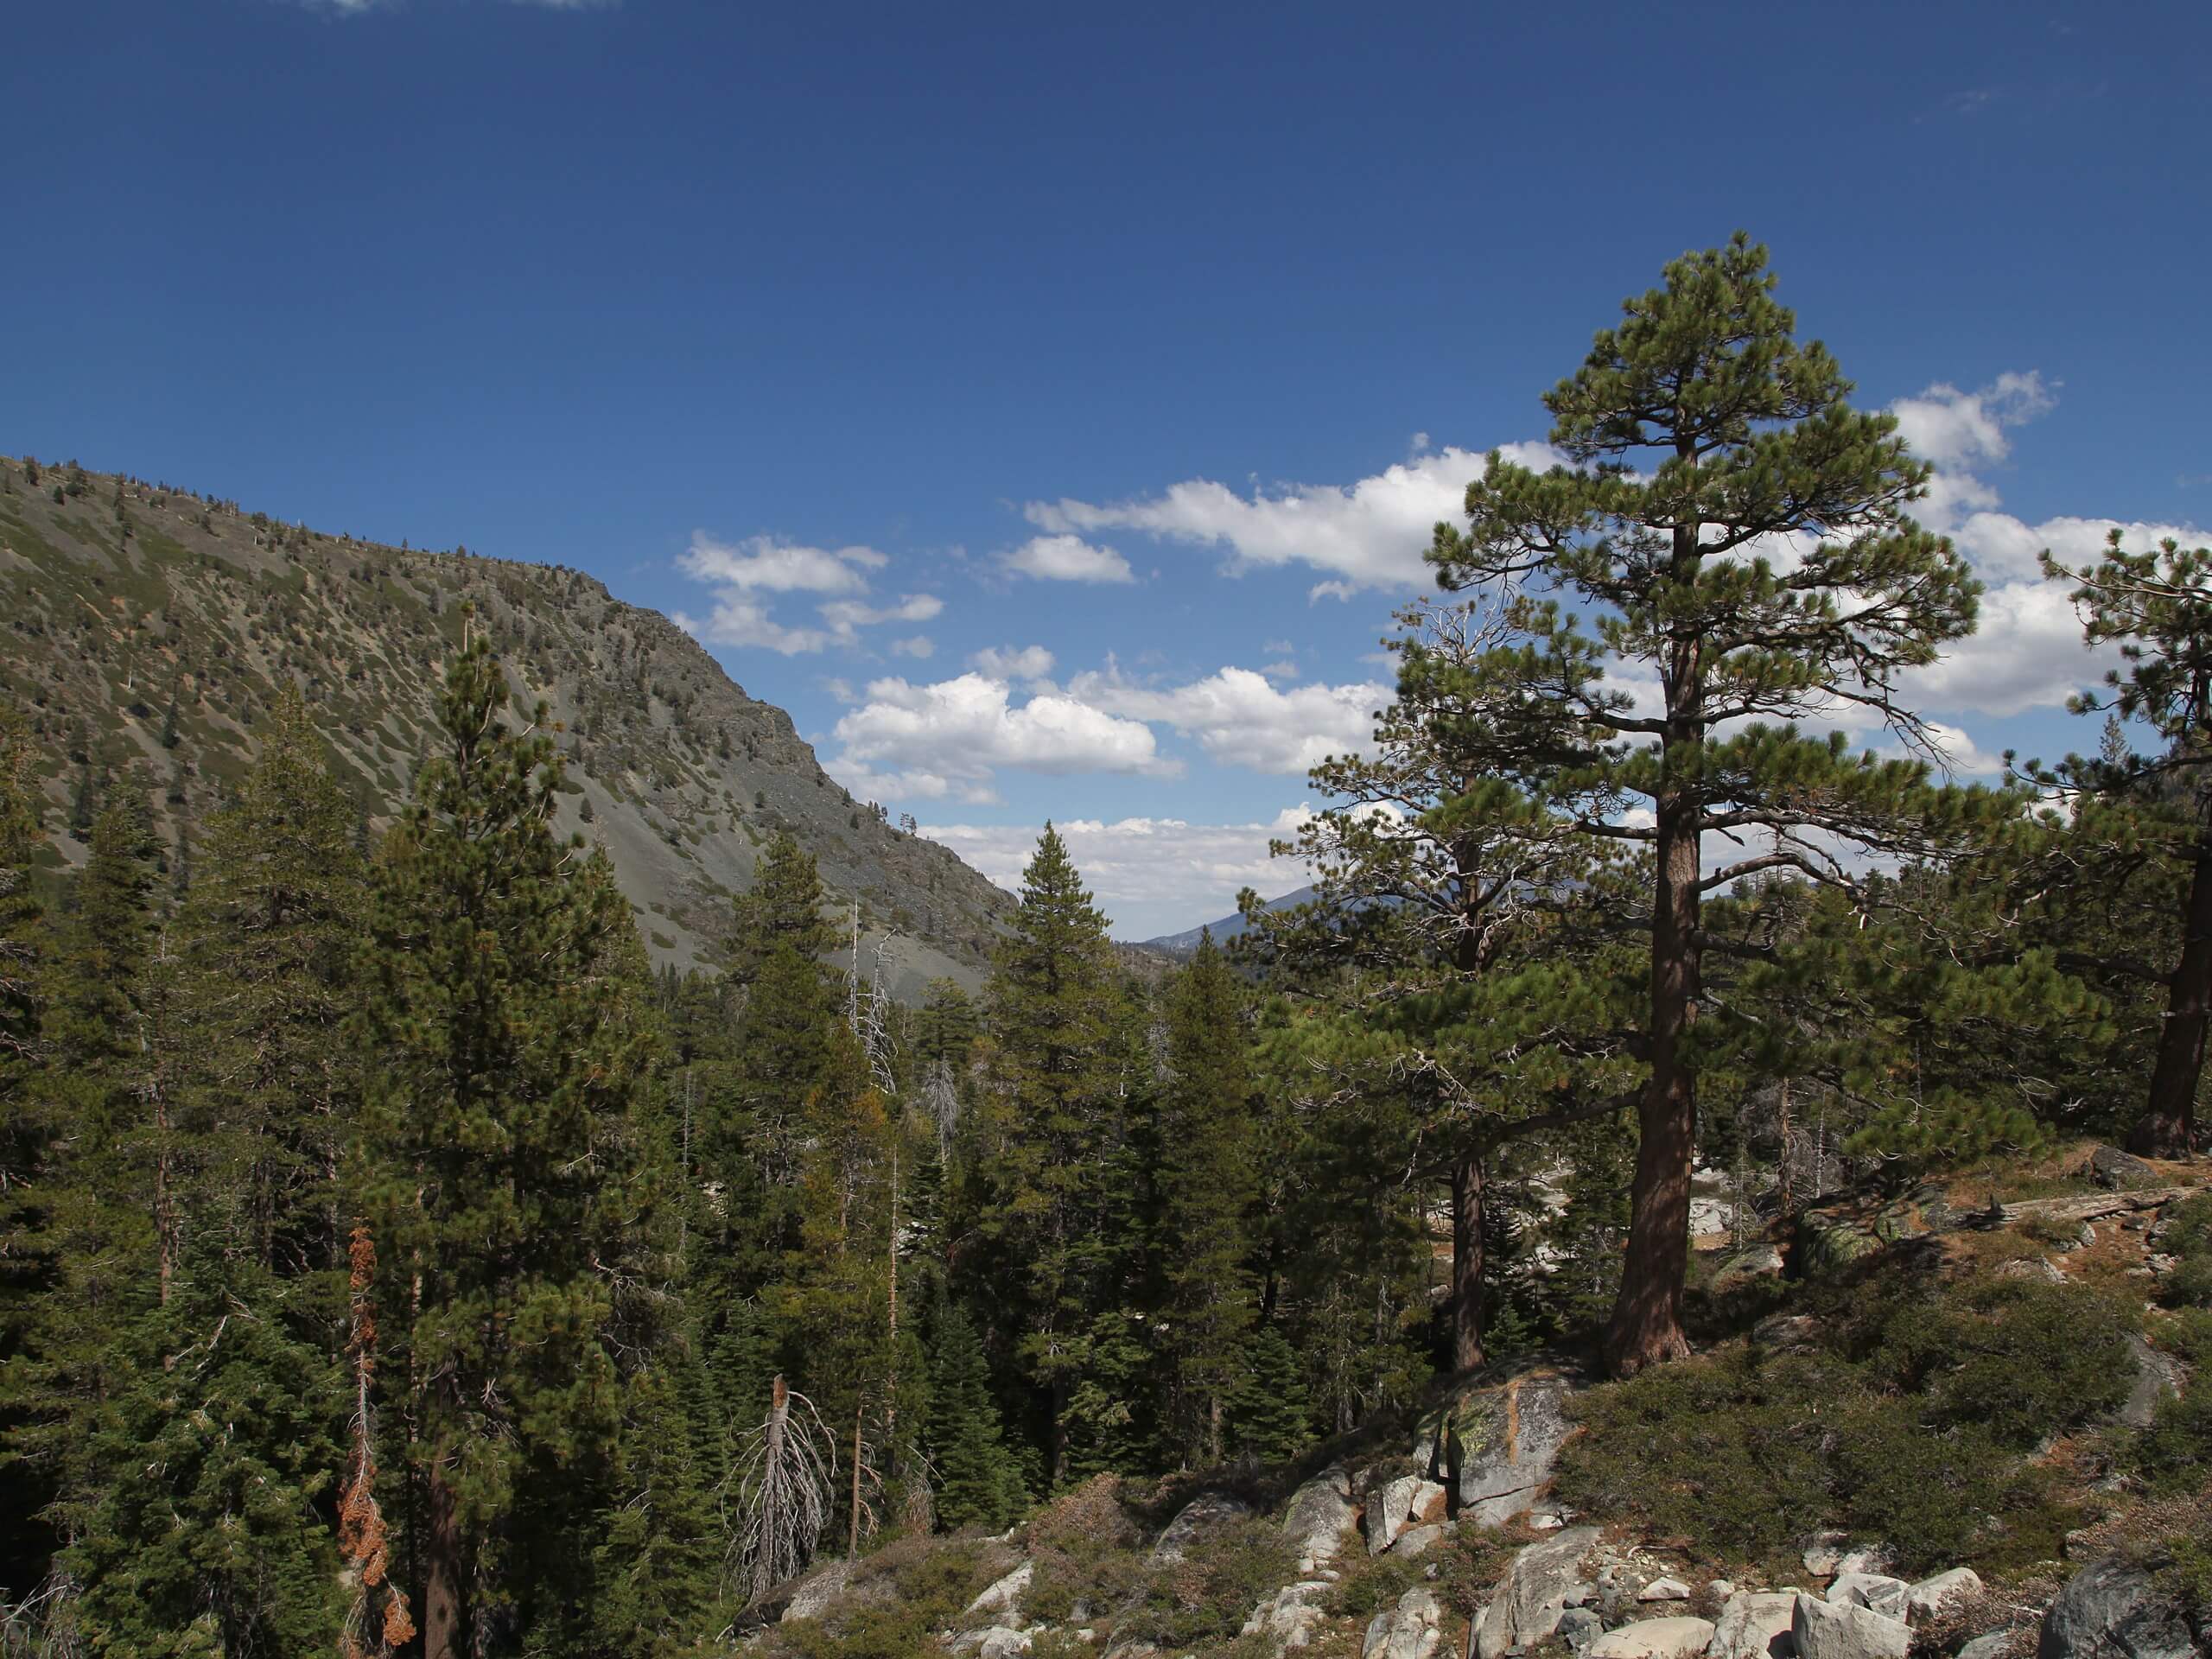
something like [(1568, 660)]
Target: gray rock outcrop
[(1203, 1516), (1412, 1629), (1504, 1445), (1321, 1513), (1752, 1623), (2114, 1609), (1529, 1598), (1876, 1592), (1928, 1598), (1831, 1629), (1653, 1638)]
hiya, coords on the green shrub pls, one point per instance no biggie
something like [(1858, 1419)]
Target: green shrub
[(1726, 1450), (2188, 1228), (1371, 1583), (898, 1602), (2020, 1359), (2189, 1333), (2172, 1456), (1912, 1425), (1201, 1602)]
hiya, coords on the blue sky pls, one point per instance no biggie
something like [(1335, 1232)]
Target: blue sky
[(1048, 408)]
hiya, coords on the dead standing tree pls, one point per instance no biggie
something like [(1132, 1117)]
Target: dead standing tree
[(784, 1478)]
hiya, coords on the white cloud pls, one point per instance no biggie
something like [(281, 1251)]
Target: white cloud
[(764, 563), (2028, 651), (1238, 718), (1368, 534), (1068, 558), (848, 616), (2027, 654), (1012, 663), (1954, 429), (742, 622), (1151, 875), (921, 645), (743, 573), (948, 739)]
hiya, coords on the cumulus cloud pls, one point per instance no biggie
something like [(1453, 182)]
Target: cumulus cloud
[(1151, 875), (1239, 717), (1368, 534), (746, 574), (766, 563), (2028, 651), (921, 645), (1068, 558), (1954, 429), (1012, 663), (932, 741)]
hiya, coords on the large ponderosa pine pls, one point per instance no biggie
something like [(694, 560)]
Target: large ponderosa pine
[(1732, 529), (2157, 606), (496, 1150)]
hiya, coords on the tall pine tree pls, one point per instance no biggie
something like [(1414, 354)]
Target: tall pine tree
[(1738, 531), (496, 1144)]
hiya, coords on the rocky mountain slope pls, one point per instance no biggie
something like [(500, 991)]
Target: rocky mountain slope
[(148, 629)]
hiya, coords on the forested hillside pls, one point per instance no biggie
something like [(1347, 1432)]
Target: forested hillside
[(1657, 1115), (150, 629)]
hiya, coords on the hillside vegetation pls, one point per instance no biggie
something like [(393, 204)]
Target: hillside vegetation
[(150, 628)]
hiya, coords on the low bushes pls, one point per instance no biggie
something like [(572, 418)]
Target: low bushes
[(1910, 1420)]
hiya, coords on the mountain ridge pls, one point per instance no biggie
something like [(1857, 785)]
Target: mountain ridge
[(150, 627)]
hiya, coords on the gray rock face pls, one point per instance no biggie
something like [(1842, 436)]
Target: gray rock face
[(1824, 1553), (1754, 1625), (1928, 1598), (1876, 1592), (2113, 1610), (812, 1598), (1987, 1647), (1204, 1514), (1401, 1503), (1289, 1620), (2110, 1166), (1419, 1540), (2157, 1378), (1533, 1592), (1412, 1629), (1004, 1596), (1653, 1638), (1664, 1590), (1321, 1512), (1828, 1629), (1579, 1627), (1504, 1445)]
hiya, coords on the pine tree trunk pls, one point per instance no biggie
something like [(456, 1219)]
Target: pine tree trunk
[(445, 1627), (2169, 1121), (1647, 1322), (1467, 1263)]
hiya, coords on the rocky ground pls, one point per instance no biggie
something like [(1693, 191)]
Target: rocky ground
[(1455, 1538)]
